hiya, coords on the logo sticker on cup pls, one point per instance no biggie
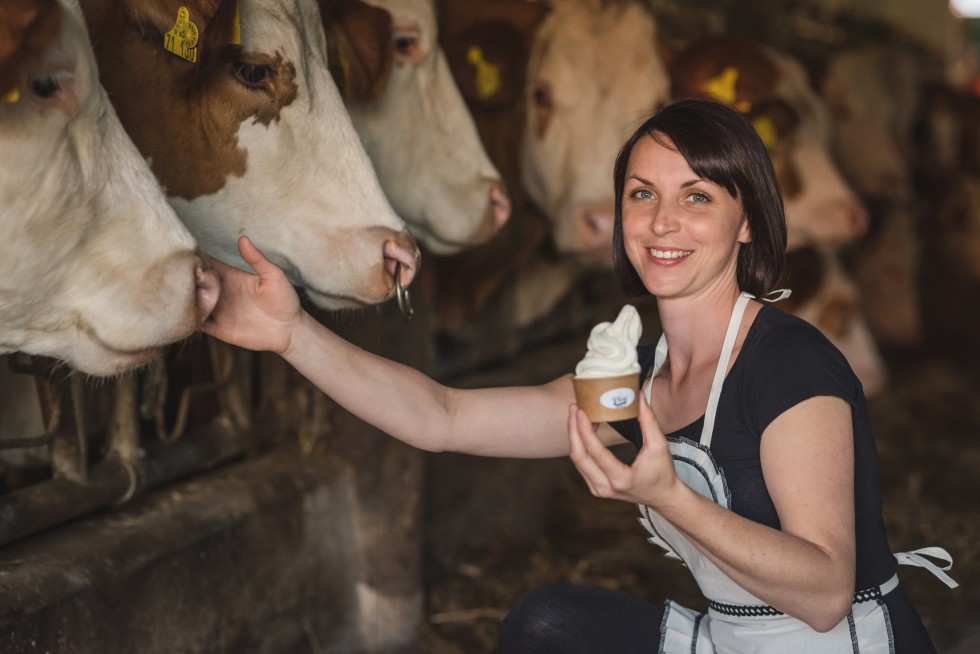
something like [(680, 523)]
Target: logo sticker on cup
[(617, 398)]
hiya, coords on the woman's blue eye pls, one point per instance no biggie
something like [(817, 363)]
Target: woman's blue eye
[(699, 197), (642, 194)]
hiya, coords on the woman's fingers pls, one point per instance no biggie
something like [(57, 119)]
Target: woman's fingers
[(254, 257), (649, 426), (603, 471), (221, 269), (579, 454)]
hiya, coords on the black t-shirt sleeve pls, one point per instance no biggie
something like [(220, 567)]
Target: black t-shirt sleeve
[(792, 363)]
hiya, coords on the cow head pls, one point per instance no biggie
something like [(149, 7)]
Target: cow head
[(594, 75), (773, 91), (872, 93), (95, 267), (413, 122), (233, 104)]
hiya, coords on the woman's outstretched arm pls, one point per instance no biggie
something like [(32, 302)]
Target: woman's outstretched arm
[(263, 312)]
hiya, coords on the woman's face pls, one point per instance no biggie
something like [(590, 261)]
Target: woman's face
[(681, 232)]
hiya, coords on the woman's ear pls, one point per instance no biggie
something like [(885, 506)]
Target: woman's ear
[(744, 233)]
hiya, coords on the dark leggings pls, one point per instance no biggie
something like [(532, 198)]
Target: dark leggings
[(572, 620)]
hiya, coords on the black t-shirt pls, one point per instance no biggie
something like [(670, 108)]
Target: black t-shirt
[(784, 361)]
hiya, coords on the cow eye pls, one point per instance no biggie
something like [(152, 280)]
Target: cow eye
[(252, 74), (404, 42), (408, 45), (43, 86), (541, 97)]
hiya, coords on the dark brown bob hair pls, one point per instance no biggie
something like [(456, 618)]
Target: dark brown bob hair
[(719, 145)]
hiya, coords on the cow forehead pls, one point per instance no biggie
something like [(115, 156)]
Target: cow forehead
[(289, 28), (586, 45)]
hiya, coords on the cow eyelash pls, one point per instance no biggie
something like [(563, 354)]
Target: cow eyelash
[(253, 75), (43, 86)]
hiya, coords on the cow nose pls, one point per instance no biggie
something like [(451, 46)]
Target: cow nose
[(499, 206), (495, 215), (207, 290), (594, 226), (207, 286), (402, 254), (856, 217)]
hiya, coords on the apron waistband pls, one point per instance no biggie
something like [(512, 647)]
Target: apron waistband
[(750, 611)]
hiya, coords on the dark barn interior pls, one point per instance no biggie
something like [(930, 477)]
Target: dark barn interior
[(213, 500)]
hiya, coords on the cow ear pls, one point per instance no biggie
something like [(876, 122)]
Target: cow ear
[(212, 23), (360, 48), (489, 62), (27, 30)]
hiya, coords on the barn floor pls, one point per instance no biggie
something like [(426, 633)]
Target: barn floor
[(927, 426)]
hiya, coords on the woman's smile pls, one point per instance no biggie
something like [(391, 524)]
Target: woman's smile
[(669, 256)]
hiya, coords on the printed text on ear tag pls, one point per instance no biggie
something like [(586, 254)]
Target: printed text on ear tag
[(487, 74), (182, 37), (13, 95), (236, 27)]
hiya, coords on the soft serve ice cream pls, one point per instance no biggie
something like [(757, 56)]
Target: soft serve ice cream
[(607, 379)]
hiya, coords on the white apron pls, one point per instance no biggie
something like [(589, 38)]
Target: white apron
[(736, 620)]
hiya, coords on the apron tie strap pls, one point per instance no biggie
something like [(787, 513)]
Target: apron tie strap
[(917, 558)]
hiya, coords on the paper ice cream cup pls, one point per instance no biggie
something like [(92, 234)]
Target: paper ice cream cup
[(607, 399)]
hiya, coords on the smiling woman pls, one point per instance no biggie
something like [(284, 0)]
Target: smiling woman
[(756, 461)]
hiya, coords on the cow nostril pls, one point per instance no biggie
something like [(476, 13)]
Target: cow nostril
[(403, 258), (500, 206), (859, 219), (595, 226)]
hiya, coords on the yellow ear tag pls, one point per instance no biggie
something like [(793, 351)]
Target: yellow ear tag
[(722, 87), (13, 95), (766, 130), (487, 74), (236, 28), (345, 67), (182, 37)]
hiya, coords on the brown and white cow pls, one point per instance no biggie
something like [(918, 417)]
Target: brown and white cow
[(554, 92), (592, 75), (95, 267), (823, 213), (253, 138), (413, 121), (872, 93), (774, 92)]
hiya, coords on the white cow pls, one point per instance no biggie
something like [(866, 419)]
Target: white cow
[(413, 122), (95, 268), (253, 138)]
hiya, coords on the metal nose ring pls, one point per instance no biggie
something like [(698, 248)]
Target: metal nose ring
[(401, 294)]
